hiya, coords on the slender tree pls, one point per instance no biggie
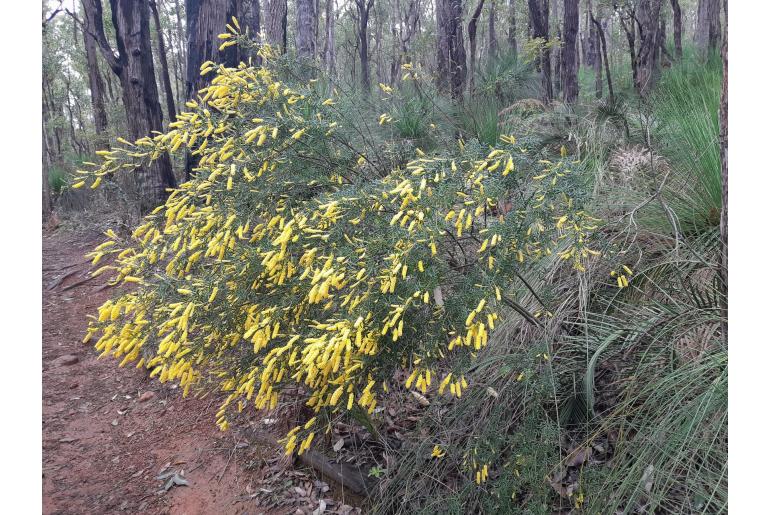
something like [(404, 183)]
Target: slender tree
[(570, 51), (363, 7), (96, 86), (603, 57), (492, 48), (330, 55), (538, 19), (512, 27), (166, 79), (556, 59), (133, 64), (452, 70), (472, 27), (677, 21)]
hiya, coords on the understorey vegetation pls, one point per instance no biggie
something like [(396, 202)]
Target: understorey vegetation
[(506, 302)]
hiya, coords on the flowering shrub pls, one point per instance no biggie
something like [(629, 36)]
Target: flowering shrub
[(287, 261)]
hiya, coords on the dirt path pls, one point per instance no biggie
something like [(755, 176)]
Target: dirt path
[(109, 433)]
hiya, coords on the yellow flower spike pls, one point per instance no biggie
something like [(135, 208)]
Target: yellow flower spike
[(438, 452)]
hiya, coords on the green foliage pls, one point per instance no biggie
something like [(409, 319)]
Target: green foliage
[(686, 106), (57, 179)]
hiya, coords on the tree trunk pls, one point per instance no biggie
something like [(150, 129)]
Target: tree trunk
[(140, 95), (133, 64), (707, 33), (647, 63), (47, 204), (603, 57), (556, 59), (512, 27), (275, 24), (362, 8), (170, 106), (677, 12), (538, 18), (96, 85), (329, 41), (723, 156), (206, 19), (305, 29), (472, 26), (493, 46), (452, 69), (570, 50)]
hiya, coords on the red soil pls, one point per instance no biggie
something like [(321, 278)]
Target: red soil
[(102, 447)]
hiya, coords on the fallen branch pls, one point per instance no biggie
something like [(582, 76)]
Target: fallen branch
[(349, 477), (79, 283), (61, 279)]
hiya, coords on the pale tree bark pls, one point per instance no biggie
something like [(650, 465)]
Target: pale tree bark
[(166, 79), (512, 28), (677, 21), (96, 86), (492, 30), (570, 51), (275, 24), (133, 64), (330, 55), (538, 19), (451, 59), (363, 7), (306, 29), (472, 26)]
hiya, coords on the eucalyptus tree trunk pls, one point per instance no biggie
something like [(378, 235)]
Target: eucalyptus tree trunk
[(512, 28), (538, 19), (556, 55), (97, 88), (206, 19), (472, 27), (493, 45), (330, 41), (133, 64), (363, 7), (707, 32), (275, 24), (647, 56), (677, 21), (305, 29), (169, 92), (570, 51), (603, 57), (452, 69)]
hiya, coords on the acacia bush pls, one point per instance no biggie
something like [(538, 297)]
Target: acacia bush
[(290, 259)]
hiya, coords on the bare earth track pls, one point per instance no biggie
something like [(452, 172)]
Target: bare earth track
[(110, 433)]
